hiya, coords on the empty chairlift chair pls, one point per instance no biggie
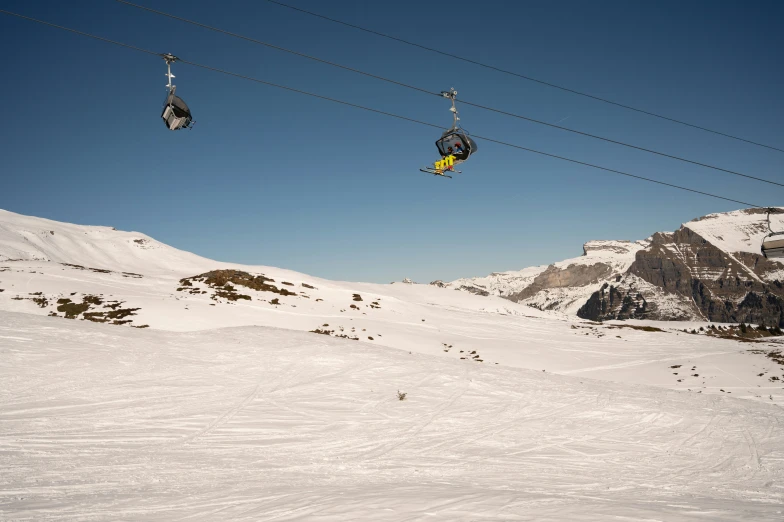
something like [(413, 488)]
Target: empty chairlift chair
[(773, 246), (773, 243), (176, 114)]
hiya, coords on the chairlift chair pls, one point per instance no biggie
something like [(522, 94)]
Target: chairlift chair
[(455, 140), (773, 243), (176, 115), (454, 145)]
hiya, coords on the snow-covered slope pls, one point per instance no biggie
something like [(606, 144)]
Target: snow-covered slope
[(498, 283), (253, 423), (25, 238), (159, 288), (292, 413), (738, 231)]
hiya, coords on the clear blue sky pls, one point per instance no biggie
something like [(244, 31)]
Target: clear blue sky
[(276, 178)]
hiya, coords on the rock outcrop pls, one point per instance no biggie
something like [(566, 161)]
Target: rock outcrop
[(572, 275), (721, 286)]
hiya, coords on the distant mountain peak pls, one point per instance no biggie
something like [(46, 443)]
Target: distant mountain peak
[(709, 269)]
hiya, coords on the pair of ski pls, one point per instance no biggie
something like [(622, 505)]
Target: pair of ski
[(438, 172)]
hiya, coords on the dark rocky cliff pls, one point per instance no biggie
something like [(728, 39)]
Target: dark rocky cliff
[(717, 285)]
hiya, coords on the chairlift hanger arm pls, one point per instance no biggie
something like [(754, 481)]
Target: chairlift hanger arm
[(772, 210), (169, 59), (452, 95)]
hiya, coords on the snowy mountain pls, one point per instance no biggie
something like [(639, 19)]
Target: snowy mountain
[(25, 238), (128, 279), (138, 381), (709, 269), (561, 286)]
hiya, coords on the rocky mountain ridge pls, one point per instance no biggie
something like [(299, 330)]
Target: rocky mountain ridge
[(709, 269)]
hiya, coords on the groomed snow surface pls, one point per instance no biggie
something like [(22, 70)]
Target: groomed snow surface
[(233, 410), (255, 423)]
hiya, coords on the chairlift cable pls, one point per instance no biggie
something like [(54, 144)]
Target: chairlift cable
[(472, 104), (349, 104), (272, 46), (82, 33), (529, 78), (609, 140)]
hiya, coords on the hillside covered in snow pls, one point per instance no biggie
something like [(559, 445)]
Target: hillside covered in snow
[(138, 381), (709, 269), (128, 279)]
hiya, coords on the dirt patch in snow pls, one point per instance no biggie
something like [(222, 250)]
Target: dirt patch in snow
[(88, 310), (637, 327), (223, 281)]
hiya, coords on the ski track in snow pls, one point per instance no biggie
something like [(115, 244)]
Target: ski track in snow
[(255, 423)]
